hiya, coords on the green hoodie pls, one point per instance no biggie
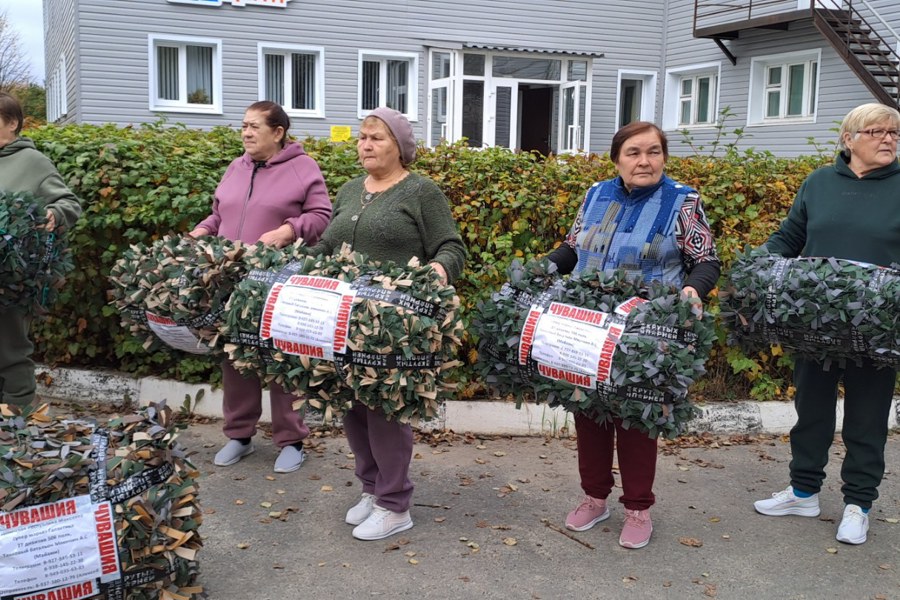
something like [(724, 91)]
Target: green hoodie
[(839, 214), (24, 169)]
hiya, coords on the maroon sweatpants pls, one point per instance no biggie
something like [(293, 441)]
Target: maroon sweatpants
[(637, 461), (383, 450), (243, 407)]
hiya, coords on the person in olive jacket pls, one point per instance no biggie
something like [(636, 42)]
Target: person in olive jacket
[(24, 169), (848, 210)]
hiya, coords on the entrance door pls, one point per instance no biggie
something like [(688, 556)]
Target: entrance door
[(572, 117), (536, 118), (504, 116)]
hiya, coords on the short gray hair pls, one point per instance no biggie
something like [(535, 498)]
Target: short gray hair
[(864, 115)]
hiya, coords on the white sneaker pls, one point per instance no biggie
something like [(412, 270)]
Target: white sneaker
[(361, 510), (382, 523), (232, 452), (786, 503), (289, 460), (854, 525)]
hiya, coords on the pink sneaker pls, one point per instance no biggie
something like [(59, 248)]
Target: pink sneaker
[(637, 529), (587, 514)]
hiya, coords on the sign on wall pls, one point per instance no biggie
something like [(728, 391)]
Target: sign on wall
[(279, 3)]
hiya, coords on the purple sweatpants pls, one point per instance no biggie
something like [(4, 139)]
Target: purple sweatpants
[(383, 450), (637, 461), (243, 407)]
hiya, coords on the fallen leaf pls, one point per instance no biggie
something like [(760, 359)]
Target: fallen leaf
[(277, 566), (270, 478), (510, 541), (831, 550), (266, 504), (275, 514), (440, 519), (243, 545), (239, 502), (314, 477), (892, 520), (480, 461), (692, 542), (885, 567), (321, 564), (327, 488), (409, 554), (726, 537), (499, 453), (714, 519), (667, 584), (417, 455), (629, 578), (413, 561)]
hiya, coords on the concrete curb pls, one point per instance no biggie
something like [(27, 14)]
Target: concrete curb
[(478, 417)]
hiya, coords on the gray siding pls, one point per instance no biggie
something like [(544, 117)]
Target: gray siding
[(114, 62), (60, 35), (839, 89), (108, 61)]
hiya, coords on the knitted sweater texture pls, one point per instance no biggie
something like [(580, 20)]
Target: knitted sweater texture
[(412, 218)]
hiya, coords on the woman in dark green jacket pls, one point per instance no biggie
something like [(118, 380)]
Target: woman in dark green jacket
[(24, 169), (849, 210)]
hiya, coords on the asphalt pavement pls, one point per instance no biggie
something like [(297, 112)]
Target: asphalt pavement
[(489, 517)]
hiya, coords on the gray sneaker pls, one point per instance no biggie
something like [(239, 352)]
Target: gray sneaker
[(785, 503), (289, 460), (232, 452)]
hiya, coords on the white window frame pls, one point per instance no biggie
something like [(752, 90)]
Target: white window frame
[(672, 95), (181, 105), (57, 92), (287, 50), (648, 92), (757, 100), (412, 83)]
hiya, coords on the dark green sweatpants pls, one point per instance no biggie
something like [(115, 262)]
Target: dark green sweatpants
[(16, 367), (867, 402)]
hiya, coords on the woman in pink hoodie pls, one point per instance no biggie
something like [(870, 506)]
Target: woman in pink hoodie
[(274, 193)]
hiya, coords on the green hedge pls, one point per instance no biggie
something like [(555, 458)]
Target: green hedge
[(138, 184)]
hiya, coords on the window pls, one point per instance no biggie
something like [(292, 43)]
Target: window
[(784, 87), (57, 97), (185, 74), (691, 96), (637, 97), (696, 100), (293, 76), (388, 79)]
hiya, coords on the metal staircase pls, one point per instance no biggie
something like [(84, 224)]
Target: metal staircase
[(864, 50), (852, 27)]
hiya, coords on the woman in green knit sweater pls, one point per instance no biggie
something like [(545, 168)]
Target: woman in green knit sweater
[(389, 214)]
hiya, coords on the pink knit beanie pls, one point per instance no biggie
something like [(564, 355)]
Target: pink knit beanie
[(402, 131)]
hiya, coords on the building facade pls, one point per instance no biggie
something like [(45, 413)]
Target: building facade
[(547, 75)]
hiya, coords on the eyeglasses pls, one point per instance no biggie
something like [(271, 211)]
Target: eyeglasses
[(880, 133)]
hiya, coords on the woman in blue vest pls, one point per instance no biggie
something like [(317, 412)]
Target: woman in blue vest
[(651, 227)]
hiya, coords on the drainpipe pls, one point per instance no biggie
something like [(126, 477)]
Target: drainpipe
[(661, 80)]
